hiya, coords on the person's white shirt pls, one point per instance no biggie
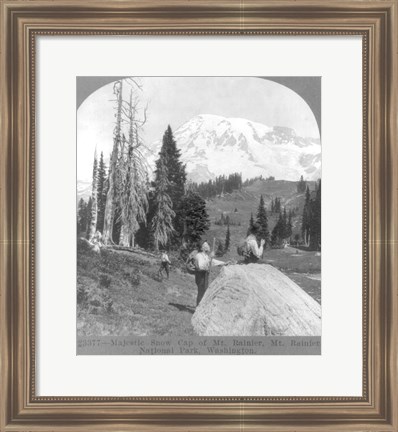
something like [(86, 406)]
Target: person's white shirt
[(165, 258), (203, 262), (253, 246)]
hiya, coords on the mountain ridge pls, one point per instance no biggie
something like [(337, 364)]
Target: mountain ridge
[(214, 145)]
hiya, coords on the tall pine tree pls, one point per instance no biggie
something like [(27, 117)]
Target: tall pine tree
[(251, 224), (176, 174), (315, 241), (306, 220), (227, 239), (262, 221), (82, 217), (277, 205), (285, 233), (88, 214), (170, 156), (220, 249), (94, 196), (195, 218), (162, 221), (101, 192), (275, 235), (289, 226), (278, 232), (301, 185)]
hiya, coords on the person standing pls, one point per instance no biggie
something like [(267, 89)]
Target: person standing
[(203, 262), (164, 264), (253, 252)]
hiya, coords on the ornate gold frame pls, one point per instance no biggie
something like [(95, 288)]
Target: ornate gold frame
[(376, 21)]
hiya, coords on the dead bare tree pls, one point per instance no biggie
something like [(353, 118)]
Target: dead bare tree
[(117, 140)]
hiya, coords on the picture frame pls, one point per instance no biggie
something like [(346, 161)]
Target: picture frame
[(376, 22)]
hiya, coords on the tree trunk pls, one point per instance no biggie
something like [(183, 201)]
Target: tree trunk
[(125, 236), (94, 197), (110, 197)]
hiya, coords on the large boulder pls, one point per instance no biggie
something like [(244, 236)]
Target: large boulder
[(256, 300)]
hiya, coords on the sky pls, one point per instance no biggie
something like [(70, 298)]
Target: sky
[(175, 100)]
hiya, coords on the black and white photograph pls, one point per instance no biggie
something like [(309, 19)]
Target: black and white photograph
[(198, 215)]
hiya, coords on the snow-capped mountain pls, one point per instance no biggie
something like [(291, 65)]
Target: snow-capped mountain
[(213, 145)]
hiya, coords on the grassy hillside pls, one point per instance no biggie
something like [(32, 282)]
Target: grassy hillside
[(120, 293), (240, 204)]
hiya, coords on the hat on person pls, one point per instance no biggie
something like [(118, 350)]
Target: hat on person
[(205, 247)]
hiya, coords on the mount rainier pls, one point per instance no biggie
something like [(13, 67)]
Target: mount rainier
[(213, 145)]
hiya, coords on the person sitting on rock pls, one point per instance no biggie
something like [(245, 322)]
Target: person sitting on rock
[(203, 262), (253, 253)]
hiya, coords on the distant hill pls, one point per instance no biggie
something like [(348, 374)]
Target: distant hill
[(246, 201)]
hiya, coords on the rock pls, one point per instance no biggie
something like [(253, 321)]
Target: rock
[(256, 300)]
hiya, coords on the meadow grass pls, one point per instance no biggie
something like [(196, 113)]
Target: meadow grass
[(120, 293)]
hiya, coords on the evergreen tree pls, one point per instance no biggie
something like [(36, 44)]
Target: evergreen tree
[(177, 176), (277, 232), (88, 214), (301, 185), (315, 224), (194, 216), (251, 224), (289, 226), (220, 185), (94, 197), (82, 216), (220, 249), (133, 192), (306, 220), (227, 239), (101, 192), (162, 222), (144, 236), (276, 205), (262, 221), (284, 232), (170, 156)]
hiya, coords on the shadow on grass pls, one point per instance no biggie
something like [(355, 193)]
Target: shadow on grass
[(183, 308)]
